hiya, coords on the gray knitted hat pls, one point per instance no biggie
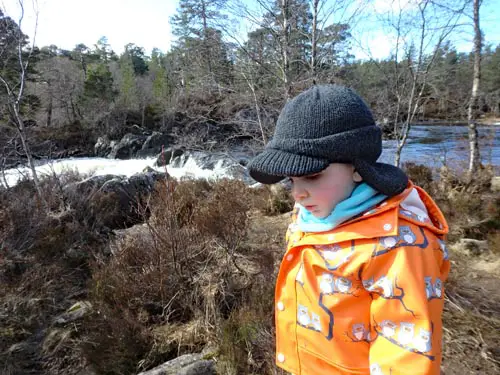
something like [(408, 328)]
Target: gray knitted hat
[(323, 125)]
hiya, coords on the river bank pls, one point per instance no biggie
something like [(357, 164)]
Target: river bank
[(433, 146), (78, 141), (485, 121)]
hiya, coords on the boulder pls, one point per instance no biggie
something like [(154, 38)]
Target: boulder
[(153, 144), (131, 145), (87, 186), (122, 196), (470, 246), (127, 147), (178, 158), (188, 364), (222, 164), (168, 155), (495, 184), (75, 312), (103, 146)]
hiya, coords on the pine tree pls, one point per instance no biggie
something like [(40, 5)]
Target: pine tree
[(197, 25)]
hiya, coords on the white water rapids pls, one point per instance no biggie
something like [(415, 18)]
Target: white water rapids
[(102, 166)]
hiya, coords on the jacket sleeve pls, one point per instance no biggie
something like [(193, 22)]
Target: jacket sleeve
[(405, 278)]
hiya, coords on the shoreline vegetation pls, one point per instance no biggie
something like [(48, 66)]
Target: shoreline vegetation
[(138, 142), (111, 283), (487, 121)]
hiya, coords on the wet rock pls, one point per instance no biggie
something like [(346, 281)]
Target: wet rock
[(223, 164), (168, 155), (103, 146), (127, 147), (154, 144), (188, 364), (203, 160), (131, 145)]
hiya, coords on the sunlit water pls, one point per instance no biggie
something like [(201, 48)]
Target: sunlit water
[(436, 146), (104, 166), (430, 145)]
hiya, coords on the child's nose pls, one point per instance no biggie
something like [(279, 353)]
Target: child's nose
[(298, 192)]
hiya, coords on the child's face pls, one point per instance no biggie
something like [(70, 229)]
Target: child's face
[(321, 192)]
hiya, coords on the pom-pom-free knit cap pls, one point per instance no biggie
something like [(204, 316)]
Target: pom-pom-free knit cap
[(323, 125)]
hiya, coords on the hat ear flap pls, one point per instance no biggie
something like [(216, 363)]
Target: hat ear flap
[(385, 178)]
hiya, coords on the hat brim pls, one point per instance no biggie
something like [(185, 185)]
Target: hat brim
[(273, 165), (385, 178)]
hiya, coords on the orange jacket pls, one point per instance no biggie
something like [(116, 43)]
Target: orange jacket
[(367, 296)]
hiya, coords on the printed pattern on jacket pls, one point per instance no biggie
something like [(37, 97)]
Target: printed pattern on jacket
[(366, 297)]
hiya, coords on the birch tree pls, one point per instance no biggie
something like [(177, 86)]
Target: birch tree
[(474, 156), (419, 29), (13, 79)]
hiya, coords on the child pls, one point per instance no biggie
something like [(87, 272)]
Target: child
[(360, 287)]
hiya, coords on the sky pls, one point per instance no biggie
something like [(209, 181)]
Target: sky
[(66, 23)]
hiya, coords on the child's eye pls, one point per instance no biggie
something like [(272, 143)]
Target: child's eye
[(312, 177)]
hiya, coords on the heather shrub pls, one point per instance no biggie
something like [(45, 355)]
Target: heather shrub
[(470, 207), (44, 267), (421, 175), (189, 263), (279, 200)]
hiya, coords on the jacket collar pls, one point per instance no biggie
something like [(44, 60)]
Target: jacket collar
[(381, 221)]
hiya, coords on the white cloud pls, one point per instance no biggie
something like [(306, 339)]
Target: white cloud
[(375, 45), (384, 6), (66, 23)]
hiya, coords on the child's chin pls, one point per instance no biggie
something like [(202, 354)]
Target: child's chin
[(319, 215)]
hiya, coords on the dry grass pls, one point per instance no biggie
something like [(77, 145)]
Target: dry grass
[(44, 269), (472, 210), (471, 324), (192, 263)]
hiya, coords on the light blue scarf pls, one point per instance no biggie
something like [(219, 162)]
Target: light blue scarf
[(362, 198)]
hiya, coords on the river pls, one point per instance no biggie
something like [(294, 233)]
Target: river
[(433, 146), (436, 146)]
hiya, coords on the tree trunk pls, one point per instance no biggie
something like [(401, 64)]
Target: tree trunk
[(21, 130), (474, 156), (143, 114), (208, 55), (314, 41), (285, 9), (49, 113), (14, 99), (4, 178), (257, 108)]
